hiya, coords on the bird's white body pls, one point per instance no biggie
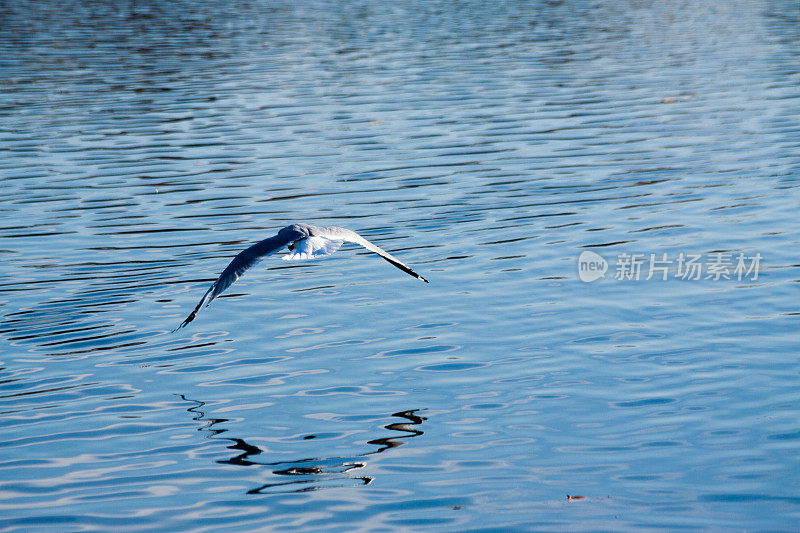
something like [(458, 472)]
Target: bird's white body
[(312, 248)]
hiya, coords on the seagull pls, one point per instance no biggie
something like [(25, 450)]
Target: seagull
[(304, 242)]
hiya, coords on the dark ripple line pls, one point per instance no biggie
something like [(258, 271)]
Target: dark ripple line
[(46, 391), (107, 432)]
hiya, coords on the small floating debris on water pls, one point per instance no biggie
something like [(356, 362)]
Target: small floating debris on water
[(675, 99)]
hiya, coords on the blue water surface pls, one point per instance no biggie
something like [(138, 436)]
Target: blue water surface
[(487, 145)]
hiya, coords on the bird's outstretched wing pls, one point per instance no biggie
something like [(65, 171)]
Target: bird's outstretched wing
[(243, 261), (339, 235)]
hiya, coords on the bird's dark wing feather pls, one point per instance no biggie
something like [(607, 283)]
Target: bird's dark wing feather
[(243, 261)]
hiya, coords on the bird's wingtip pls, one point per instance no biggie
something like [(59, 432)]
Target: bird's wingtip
[(185, 322)]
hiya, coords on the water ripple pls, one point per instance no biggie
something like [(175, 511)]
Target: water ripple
[(144, 145)]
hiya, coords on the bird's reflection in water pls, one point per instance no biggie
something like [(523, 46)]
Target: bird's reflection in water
[(312, 473)]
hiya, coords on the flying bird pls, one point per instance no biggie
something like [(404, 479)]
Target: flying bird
[(304, 242)]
